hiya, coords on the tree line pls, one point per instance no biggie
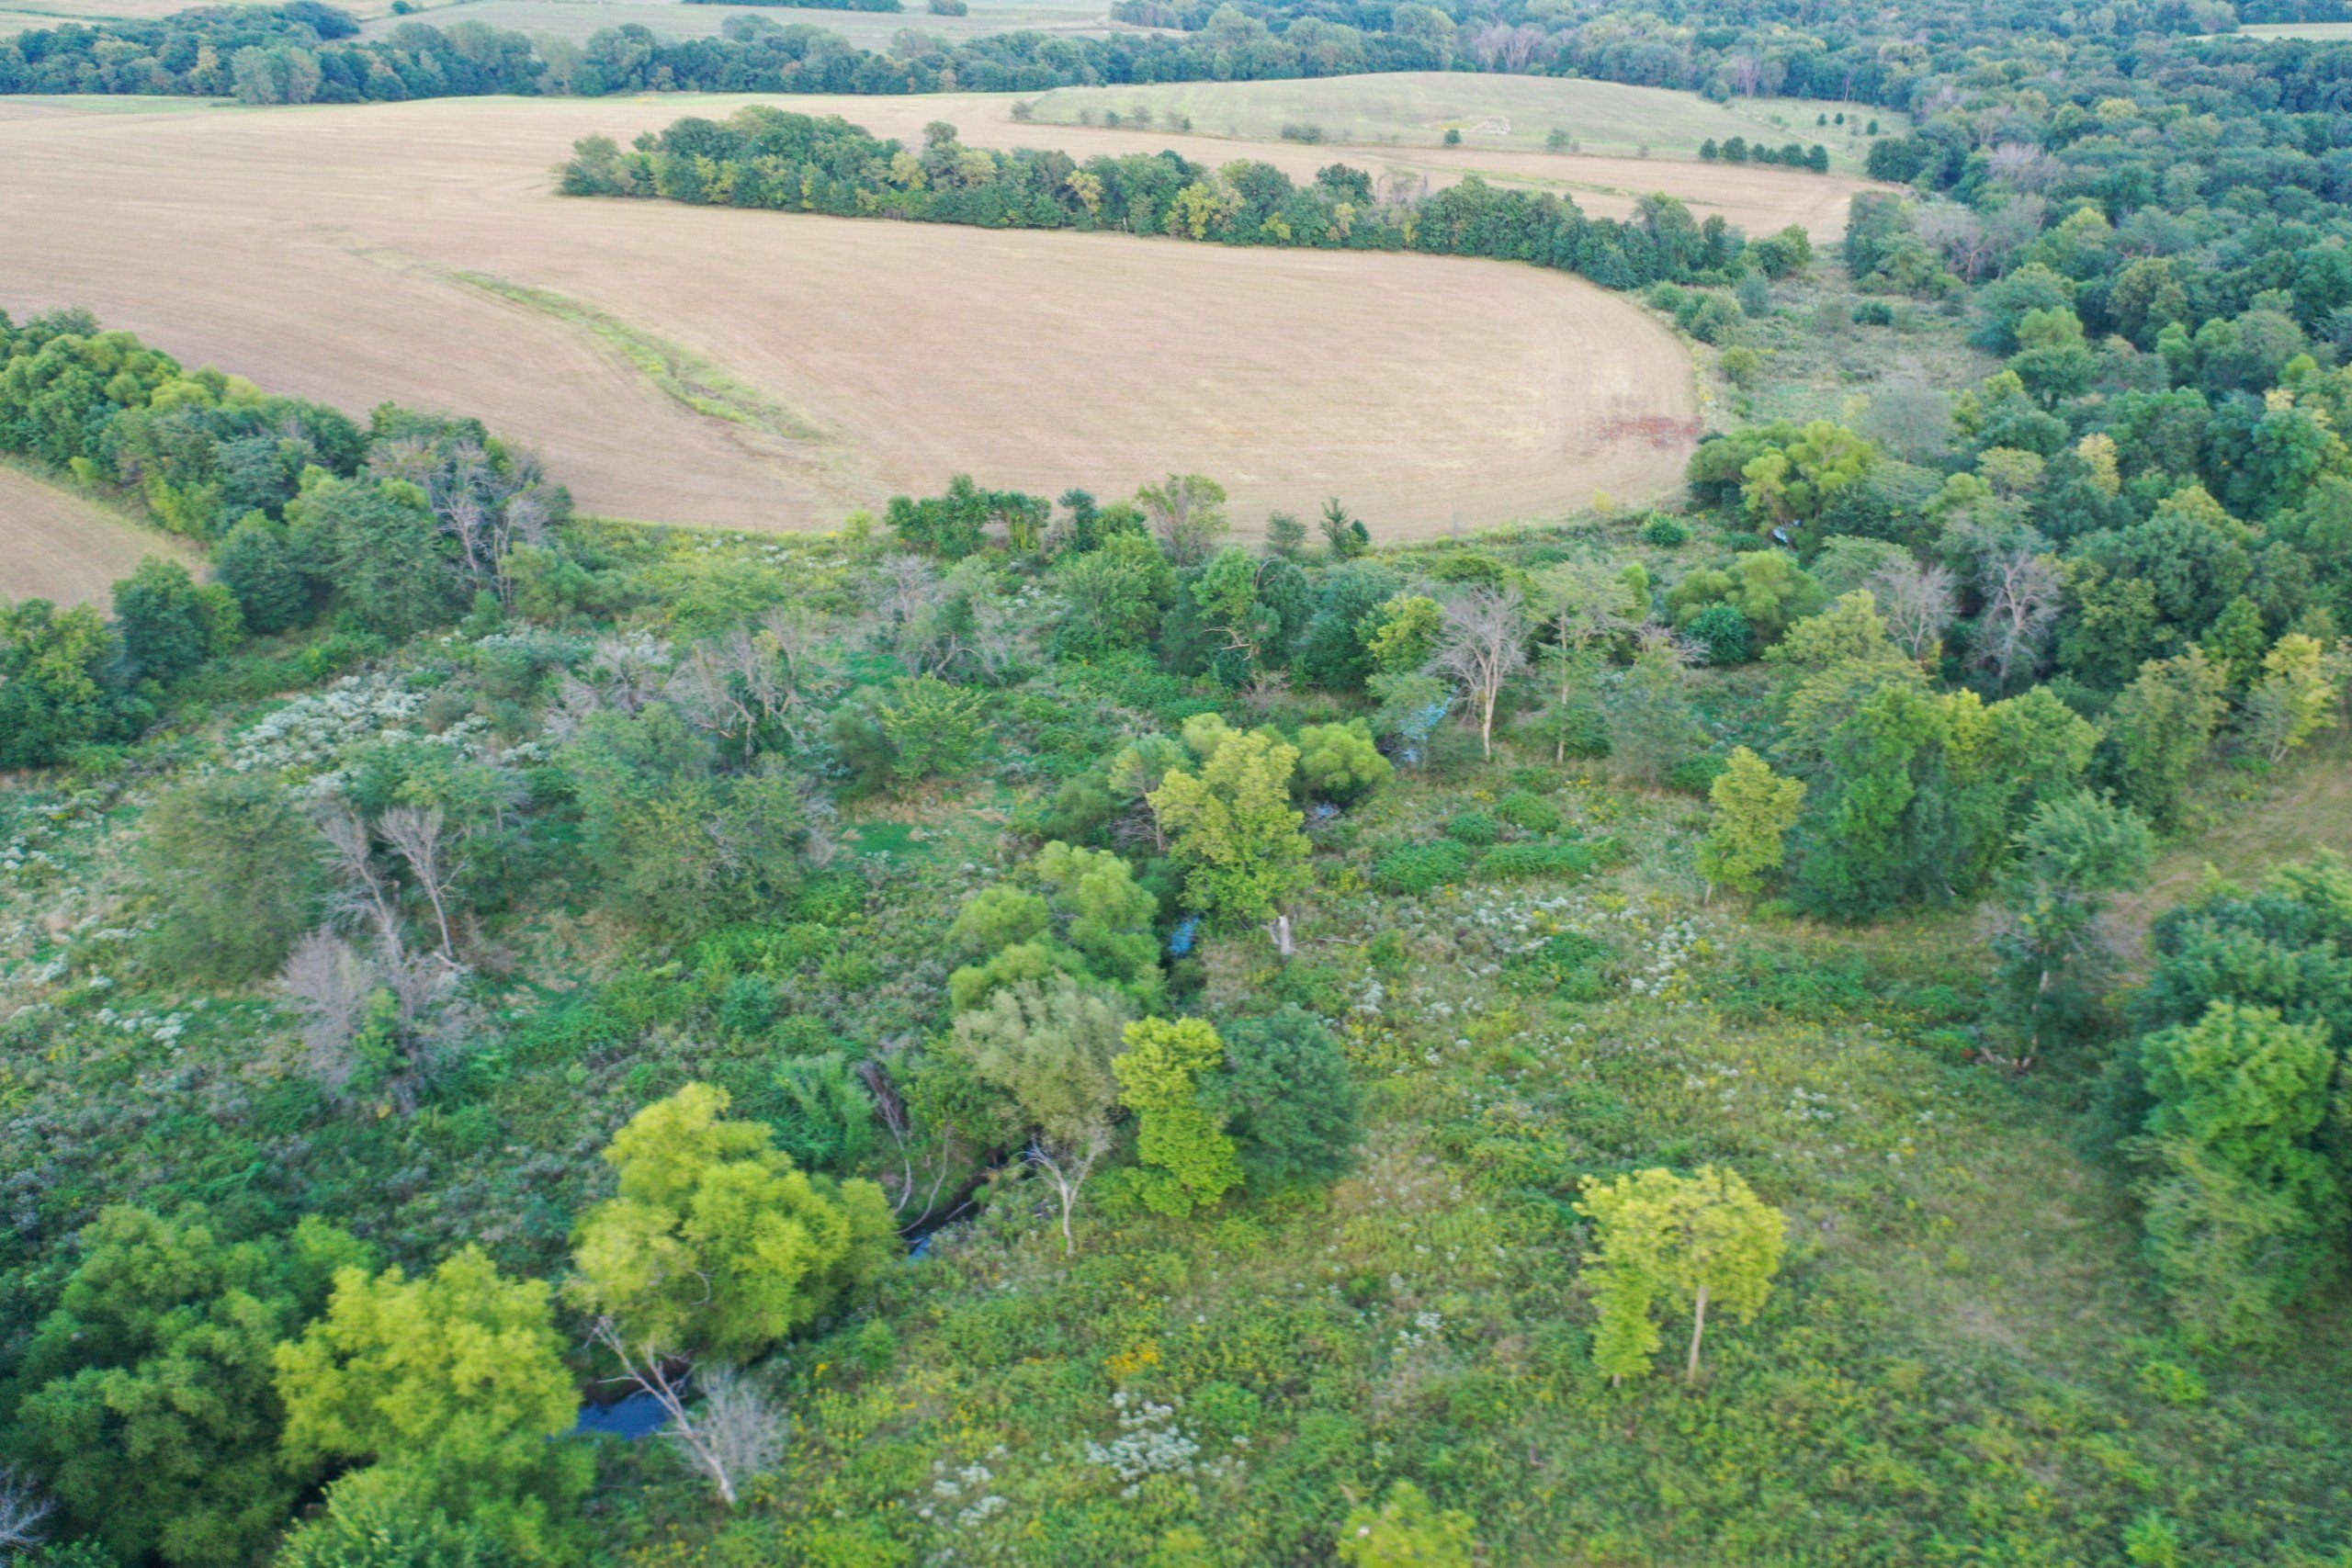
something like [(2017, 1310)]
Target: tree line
[(308, 52), (770, 158), (386, 528)]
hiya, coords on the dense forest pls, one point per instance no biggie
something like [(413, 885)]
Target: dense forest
[(769, 158)]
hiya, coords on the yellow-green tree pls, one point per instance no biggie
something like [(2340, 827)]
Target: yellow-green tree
[(1754, 808), (1679, 1243), (451, 1384), (1406, 1531), (2295, 698), (1194, 1160), (717, 1243), (1235, 828), (1404, 632)]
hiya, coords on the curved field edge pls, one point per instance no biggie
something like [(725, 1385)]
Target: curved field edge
[(61, 547), (1429, 396)]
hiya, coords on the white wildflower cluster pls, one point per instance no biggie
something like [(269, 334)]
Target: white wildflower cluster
[(1151, 1442), (313, 731), (1807, 1106), (1427, 1328), (963, 1496), (1670, 948), (163, 1029), (26, 853)]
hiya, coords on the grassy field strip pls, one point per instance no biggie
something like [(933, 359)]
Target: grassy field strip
[(61, 546), (1416, 110), (701, 384), (2306, 808)]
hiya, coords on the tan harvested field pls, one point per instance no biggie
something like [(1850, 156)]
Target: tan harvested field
[(55, 546), (322, 251)]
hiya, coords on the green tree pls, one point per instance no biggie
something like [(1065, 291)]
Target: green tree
[(2296, 697), (1339, 762), (1051, 1050), (2160, 729), (1791, 482), (374, 1519), (1681, 1242), (680, 846), (149, 1402), (1754, 808), (168, 625), (1226, 593), (2286, 944), (1343, 531), (1091, 921), (1115, 595), (1403, 633), (1407, 1530), (2074, 851), (1288, 1100), (1651, 724), (55, 691), (1235, 828), (377, 542), (236, 869), (1182, 1134), (1187, 516), (257, 563), (452, 1383), (715, 1244), (2242, 1211), (916, 728)]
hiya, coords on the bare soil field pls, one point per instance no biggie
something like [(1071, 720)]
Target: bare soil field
[(55, 546), (416, 252)]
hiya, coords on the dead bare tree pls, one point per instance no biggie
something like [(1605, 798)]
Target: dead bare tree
[(1955, 233), (419, 835), (1916, 601), (727, 686), (736, 1437), (629, 670), (329, 983), (1484, 645), (2022, 595), (1068, 1162), (24, 1508), (363, 893)]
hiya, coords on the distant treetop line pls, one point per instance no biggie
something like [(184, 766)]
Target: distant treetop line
[(306, 52)]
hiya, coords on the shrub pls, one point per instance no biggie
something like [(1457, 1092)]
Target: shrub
[(1512, 861), (1873, 313), (1695, 775), (1568, 966), (1531, 813), (1666, 533), (1723, 633), (1473, 827), (1420, 868)]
